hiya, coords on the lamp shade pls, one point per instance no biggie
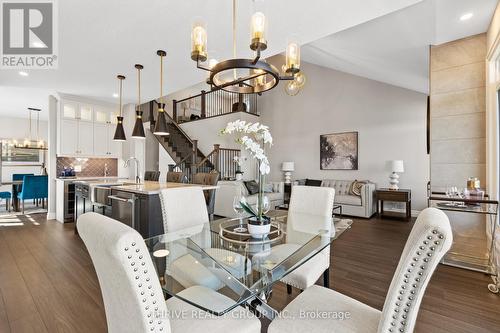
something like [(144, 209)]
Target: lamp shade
[(161, 127), (288, 166), (119, 132), (138, 132), (396, 166)]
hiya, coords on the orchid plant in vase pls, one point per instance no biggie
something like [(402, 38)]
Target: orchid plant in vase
[(253, 137)]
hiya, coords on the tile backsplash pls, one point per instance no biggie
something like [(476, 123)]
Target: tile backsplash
[(90, 167)]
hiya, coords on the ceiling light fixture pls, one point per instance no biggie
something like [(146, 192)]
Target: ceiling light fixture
[(466, 16), (161, 123), (115, 95), (120, 132), (138, 132), (22, 73), (29, 143), (244, 76)]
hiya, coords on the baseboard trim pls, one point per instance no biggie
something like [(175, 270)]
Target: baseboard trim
[(51, 216)]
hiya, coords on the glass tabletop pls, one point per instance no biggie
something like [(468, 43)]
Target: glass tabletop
[(478, 206), (194, 263)]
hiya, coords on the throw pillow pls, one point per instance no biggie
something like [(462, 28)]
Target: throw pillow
[(356, 187), (252, 187), (313, 182)]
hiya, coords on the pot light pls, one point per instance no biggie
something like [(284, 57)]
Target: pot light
[(115, 95), (466, 16), (22, 73)]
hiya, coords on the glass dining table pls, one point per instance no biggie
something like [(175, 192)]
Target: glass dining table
[(222, 256)]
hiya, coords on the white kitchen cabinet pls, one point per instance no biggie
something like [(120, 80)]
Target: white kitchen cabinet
[(86, 113), (86, 129), (115, 147), (101, 140), (86, 138), (69, 110), (68, 139)]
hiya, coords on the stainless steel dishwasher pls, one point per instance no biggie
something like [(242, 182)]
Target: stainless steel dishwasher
[(124, 208)]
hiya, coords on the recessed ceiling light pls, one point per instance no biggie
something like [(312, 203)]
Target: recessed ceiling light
[(466, 16), (115, 95), (22, 73)]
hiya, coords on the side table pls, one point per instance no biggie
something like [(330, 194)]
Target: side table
[(401, 195)]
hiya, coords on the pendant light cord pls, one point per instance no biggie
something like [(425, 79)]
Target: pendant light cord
[(234, 35), (139, 88), (161, 79), (121, 81)]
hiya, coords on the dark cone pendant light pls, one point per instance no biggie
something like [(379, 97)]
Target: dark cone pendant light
[(161, 127), (120, 132), (138, 132)]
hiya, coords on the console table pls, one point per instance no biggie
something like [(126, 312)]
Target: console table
[(384, 194)]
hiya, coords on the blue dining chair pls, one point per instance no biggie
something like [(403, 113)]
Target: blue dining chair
[(6, 196), (17, 177), (34, 187)]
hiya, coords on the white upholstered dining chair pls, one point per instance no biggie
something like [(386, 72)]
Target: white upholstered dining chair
[(316, 201), (429, 240), (184, 207), (132, 295)]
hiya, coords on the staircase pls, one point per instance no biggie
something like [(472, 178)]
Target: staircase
[(181, 148)]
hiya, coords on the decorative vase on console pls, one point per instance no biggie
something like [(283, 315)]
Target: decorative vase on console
[(253, 137)]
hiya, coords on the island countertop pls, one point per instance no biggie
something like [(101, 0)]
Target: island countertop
[(151, 187)]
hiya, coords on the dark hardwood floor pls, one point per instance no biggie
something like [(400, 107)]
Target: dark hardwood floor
[(48, 284)]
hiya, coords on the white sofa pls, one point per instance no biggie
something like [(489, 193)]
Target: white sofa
[(353, 205), (227, 190)]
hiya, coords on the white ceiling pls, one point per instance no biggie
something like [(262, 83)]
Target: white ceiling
[(15, 101), (395, 48), (100, 39)]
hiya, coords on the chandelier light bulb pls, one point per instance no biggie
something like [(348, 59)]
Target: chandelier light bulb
[(199, 41), (258, 25), (293, 57)]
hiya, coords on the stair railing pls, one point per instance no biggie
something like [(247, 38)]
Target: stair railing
[(213, 104)]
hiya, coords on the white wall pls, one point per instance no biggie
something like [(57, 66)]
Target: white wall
[(390, 121)]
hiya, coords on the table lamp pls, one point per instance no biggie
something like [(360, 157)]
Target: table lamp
[(395, 166), (288, 167)]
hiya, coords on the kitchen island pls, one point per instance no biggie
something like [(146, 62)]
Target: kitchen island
[(138, 205)]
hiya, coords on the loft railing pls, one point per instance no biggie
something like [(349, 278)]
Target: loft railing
[(212, 104), (220, 159)]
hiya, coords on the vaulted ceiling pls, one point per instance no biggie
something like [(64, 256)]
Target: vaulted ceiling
[(395, 48), (99, 39)]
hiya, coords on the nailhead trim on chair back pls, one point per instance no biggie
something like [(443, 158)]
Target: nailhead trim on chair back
[(429, 240), (132, 295)]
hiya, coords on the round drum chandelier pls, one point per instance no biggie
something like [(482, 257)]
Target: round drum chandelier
[(240, 75)]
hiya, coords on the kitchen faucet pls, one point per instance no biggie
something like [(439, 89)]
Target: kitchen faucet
[(106, 170), (137, 168)]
